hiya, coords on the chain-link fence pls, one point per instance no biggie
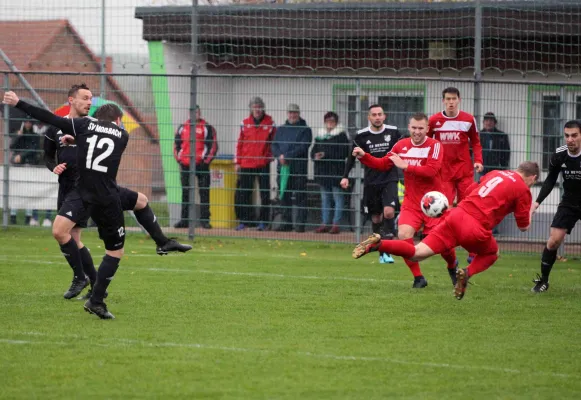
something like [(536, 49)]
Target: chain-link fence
[(259, 198), (517, 59)]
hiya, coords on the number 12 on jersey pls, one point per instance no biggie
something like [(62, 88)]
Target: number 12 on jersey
[(103, 142)]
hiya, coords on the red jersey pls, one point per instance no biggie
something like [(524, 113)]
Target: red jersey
[(206, 143), (423, 172), (499, 194), (456, 135), (253, 147)]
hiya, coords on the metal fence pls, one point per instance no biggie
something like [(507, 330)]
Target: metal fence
[(531, 113)]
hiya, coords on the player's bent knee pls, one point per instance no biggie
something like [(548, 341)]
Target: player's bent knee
[(141, 201), (115, 253), (388, 213), (61, 229)]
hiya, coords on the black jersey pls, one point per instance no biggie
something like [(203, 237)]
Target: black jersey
[(100, 145), (378, 144), (57, 153), (570, 167)]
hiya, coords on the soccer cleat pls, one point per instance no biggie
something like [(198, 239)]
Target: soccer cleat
[(368, 245), (89, 293), (77, 286), (33, 222), (419, 282), (47, 223), (540, 285), (98, 309), (452, 272), (173, 245), (385, 258), (461, 283)]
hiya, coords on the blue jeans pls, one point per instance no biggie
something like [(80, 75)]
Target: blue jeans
[(338, 198)]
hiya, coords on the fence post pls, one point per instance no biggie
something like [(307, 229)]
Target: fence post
[(562, 120), (193, 102), (357, 188), (6, 177), (477, 59)]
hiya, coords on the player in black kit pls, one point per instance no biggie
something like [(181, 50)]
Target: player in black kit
[(567, 161), (100, 145), (62, 160), (380, 197)]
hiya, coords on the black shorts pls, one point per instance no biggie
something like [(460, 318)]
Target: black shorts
[(376, 197), (74, 208), (566, 217), (65, 188), (128, 198), (110, 223)]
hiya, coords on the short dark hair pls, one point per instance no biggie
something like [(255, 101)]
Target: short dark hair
[(529, 168), (375, 106), (573, 124), (75, 89), (330, 115), (451, 90), (420, 116), (108, 112)]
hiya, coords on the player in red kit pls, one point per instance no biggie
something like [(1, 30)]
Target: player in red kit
[(457, 131), (420, 158), (470, 224)]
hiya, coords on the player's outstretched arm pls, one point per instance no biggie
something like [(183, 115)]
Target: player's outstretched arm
[(380, 164), (38, 113), (549, 183)]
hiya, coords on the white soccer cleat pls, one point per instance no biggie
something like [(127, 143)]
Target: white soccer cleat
[(33, 222), (47, 223)]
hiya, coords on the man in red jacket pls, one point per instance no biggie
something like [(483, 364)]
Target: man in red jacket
[(253, 157), (206, 149)]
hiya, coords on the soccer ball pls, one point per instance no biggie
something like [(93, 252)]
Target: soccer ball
[(434, 204)]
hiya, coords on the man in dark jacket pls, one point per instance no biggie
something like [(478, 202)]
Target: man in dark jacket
[(26, 144), (495, 145), (206, 149), (291, 148), (331, 148)]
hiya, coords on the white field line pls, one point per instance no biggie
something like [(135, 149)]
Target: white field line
[(120, 342), (249, 274)]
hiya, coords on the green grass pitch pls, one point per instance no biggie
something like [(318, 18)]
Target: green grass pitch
[(250, 319)]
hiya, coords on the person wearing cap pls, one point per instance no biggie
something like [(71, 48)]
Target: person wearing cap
[(495, 145), (206, 149), (329, 152), (252, 162), (290, 148)]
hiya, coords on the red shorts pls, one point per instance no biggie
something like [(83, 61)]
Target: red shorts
[(416, 218), (461, 229), (457, 187)]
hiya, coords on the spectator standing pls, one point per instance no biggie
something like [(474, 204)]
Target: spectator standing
[(206, 149), (329, 152), (495, 145), (252, 160), (25, 148), (291, 148)]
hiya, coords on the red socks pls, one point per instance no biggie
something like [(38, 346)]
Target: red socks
[(450, 257), (481, 263), (402, 248)]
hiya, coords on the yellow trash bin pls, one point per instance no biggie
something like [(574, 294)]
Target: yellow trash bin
[(222, 190)]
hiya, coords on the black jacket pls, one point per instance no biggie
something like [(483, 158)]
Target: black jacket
[(293, 141), (495, 150), (336, 146), (27, 145)]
